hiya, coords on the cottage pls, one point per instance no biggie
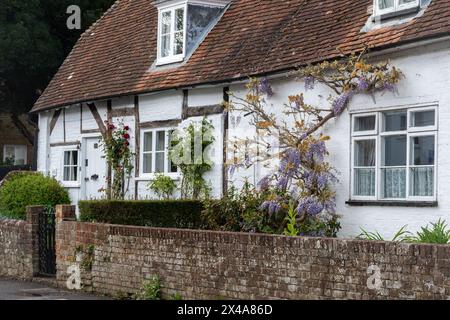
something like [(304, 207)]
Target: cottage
[(157, 64)]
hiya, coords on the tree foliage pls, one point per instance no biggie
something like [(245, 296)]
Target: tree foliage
[(34, 40)]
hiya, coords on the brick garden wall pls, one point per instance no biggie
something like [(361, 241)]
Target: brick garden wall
[(19, 255), (212, 265)]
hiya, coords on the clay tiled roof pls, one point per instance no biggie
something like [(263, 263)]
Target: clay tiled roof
[(253, 37)]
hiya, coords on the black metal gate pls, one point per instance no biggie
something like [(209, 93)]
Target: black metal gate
[(47, 242)]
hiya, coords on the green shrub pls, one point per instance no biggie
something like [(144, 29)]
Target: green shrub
[(24, 189), (163, 186), (184, 214), (239, 211)]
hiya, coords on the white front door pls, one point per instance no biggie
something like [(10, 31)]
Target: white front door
[(94, 169)]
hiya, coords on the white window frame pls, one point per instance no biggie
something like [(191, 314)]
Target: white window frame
[(410, 133), (71, 183), (153, 174), (396, 8), (367, 132), (15, 146), (353, 167), (171, 58)]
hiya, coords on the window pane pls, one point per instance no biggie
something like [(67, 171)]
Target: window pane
[(364, 182), (148, 141), (74, 158), (423, 118), (66, 158), (421, 181), (166, 22), (179, 19), (364, 123), (66, 176), (394, 151), (74, 174), (172, 167), (159, 162), (160, 141), (165, 45), (402, 2), (422, 151), (385, 4), (365, 153), (394, 183), (9, 152), (178, 48), (147, 163), (394, 121)]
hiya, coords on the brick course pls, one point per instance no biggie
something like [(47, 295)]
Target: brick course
[(211, 265)]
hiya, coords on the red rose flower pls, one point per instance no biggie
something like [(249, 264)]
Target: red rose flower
[(111, 127), (127, 143), (126, 136), (126, 128)]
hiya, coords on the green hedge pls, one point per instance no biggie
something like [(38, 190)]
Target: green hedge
[(182, 214)]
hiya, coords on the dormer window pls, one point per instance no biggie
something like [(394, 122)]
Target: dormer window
[(182, 25), (172, 39), (390, 8)]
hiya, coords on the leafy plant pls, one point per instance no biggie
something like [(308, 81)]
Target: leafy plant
[(116, 148), (23, 189), (163, 186), (402, 235), (176, 296), (436, 233), (291, 228), (151, 289), (188, 151)]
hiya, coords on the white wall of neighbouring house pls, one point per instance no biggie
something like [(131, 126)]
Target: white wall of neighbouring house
[(427, 82)]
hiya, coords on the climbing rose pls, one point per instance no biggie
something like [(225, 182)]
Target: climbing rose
[(126, 136)]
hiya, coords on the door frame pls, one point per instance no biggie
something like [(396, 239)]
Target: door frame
[(84, 140)]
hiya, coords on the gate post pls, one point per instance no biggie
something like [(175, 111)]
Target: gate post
[(65, 212), (33, 214)]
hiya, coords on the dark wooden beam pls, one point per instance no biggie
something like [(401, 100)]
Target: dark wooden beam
[(54, 120), (226, 126), (185, 105), (64, 124), (160, 123), (137, 137), (98, 118), (204, 110), (124, 112), (65, 144)]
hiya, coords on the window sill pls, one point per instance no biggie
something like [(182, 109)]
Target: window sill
[(417, 204), (70, 185), (151, 177), (396, 14)]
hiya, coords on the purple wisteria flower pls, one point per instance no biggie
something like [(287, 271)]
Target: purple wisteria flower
[(316, 151), (272, 207), (363, 84), (265, 87), (290, 161), (309, 83), (283, 183), (310, 206), (390, 87), (264, 183), (340, 102)]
